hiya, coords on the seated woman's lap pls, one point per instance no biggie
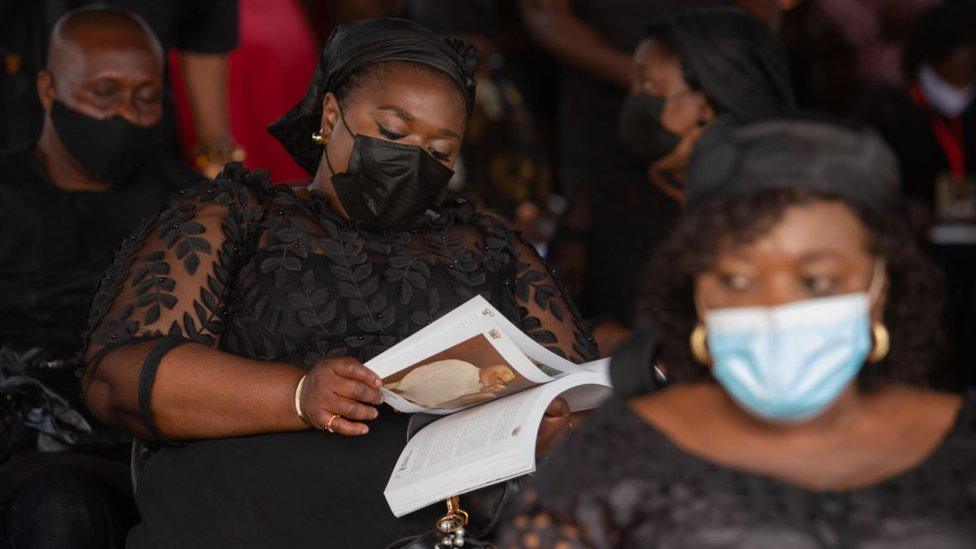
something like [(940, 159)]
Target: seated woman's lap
[(302, 489)]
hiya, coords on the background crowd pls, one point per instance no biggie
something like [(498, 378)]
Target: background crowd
[(105, 117)]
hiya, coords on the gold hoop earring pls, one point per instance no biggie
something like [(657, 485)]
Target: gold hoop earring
[(882, 342), (699, 345), (317, 138)]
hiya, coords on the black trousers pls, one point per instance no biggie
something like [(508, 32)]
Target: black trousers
[(66, 507)]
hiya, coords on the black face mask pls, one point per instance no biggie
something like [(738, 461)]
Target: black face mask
[(108, 150), (639, 127), (387, 183)]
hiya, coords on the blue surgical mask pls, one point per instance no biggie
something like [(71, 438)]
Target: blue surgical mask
[(790, 363)]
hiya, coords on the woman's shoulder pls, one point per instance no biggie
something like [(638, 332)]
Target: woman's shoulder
[(235, 185), (462, 214), (963, 431), (460, 218)]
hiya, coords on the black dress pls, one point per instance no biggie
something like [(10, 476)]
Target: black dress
[(633, 487), (271, 273)]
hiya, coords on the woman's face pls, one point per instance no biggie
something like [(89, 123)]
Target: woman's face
[(958, 68), (817, 249), (401, 104), (658, 72)]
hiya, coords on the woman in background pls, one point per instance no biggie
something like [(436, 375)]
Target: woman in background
[(798, 326), (688, 71)]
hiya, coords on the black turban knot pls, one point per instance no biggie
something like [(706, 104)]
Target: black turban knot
[(737, 157), (355, 45), (731, 56)]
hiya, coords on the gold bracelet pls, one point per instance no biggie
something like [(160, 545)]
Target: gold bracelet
[(219, 153), (298, 399)]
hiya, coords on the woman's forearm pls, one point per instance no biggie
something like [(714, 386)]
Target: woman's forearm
[(199, 392), (205, 77), (558, 30)]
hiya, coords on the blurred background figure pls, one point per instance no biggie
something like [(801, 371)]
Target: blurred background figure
[(876, 31), (326, 14), (689, 69), (66, 201), (769, 11), (593, 41), (931, 124), (797, 324), (204, 31), (266, 74), (505, 165)]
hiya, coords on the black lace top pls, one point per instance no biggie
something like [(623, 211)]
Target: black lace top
[(271, 273), (633, 487)]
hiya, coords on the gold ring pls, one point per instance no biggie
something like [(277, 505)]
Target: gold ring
[(328, 426)]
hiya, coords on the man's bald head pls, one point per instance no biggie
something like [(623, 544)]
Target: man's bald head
[(98, 27), (102, 62)]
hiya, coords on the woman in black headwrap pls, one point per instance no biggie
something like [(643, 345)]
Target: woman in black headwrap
[(688, 71), (798, 326), (229, 333)]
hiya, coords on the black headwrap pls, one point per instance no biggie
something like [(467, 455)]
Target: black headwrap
[(351, 47), (731, 56), (742, 157)]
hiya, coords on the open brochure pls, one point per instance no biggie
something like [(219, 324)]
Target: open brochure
[(493, 383)]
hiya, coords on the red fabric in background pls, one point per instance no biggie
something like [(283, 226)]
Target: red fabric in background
[(269, 72)]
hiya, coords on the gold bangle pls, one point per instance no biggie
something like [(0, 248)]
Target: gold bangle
[(298, 399)]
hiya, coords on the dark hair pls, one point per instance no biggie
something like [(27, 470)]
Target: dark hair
[(940, 31), (664, 35), (731, 56), (372, 72), (912, 309)]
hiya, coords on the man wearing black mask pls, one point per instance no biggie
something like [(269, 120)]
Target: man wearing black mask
[(66, 202)]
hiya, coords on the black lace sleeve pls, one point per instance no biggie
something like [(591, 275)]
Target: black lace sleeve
[(546, 313), (166, 286)]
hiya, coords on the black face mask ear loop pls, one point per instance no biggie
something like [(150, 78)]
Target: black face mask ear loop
[(328, 162)]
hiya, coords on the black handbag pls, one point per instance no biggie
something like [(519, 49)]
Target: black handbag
[(474, 525), (42, 409)]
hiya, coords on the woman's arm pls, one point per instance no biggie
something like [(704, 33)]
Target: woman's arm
[(153, 366), (553, 24), (548, 315), (198, 392), (205, 81)]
